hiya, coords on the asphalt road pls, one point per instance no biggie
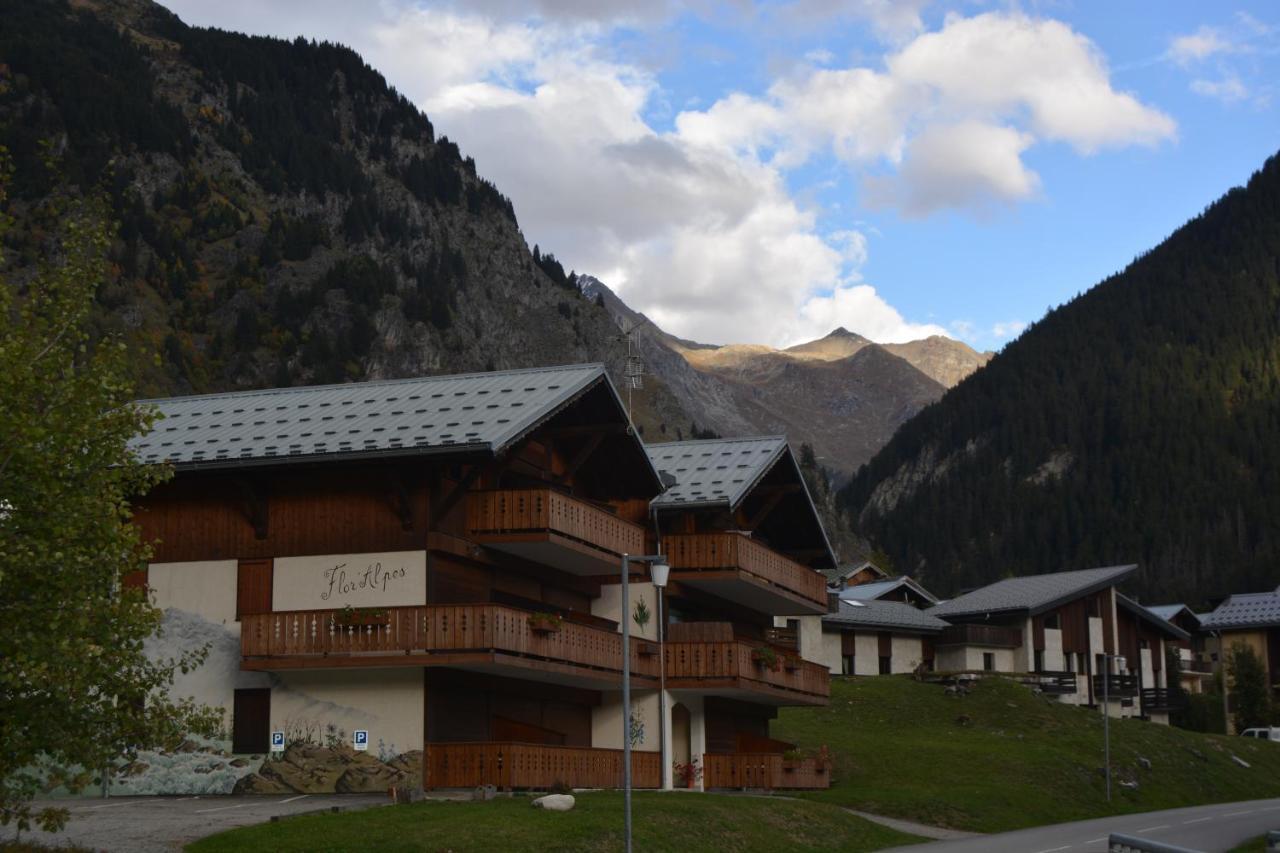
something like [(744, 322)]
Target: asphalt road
[(165, 824), (1210, 829)]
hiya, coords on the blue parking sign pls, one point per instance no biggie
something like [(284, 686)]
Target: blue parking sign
[(362, 739), (277, 741)]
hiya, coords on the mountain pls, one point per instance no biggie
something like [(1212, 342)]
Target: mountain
[(841, 394), (285, 217), (1139, 422)]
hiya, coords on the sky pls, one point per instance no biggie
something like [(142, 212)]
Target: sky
[(764, 173)]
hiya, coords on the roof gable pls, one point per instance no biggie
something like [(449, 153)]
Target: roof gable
[(1147, 614), (883, 614), (879, 589), (1032, 594), (1246, 610), (714, 472)]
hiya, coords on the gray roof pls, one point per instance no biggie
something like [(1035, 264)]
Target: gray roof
[(1247, 610), (473, 411), (882, 615), (719, 471), (1148, 615), (1032, 594), (1168, 611), (844, 570), (879, 589)]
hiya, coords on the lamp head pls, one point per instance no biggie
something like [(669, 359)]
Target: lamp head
[(658, 573)]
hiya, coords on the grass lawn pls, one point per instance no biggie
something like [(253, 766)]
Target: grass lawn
[(673, 821), (1004, 758), (1256, 845)]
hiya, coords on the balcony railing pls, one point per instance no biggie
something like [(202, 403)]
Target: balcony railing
[(999, 636), (1056, 683), (1161, 700), (515, 515), (410, 635), (763, 770), (689, 663), (692, 553), (523, 765), (1117, 687)]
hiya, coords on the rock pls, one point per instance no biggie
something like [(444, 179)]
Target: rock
[(1144, 763), (964, 720), (484, 793), (239, 762), (1132, 786), (1238, 760), (952, 691), (188, 746), (555, 802)]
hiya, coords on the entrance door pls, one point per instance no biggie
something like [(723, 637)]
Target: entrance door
[(681, 732)]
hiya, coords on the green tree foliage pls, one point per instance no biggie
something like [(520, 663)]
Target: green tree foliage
[(77, 691), (1139, 423), (1250, 705)]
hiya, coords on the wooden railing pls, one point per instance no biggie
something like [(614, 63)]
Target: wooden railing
[(1117, 687), (762, 770), (1056, 683), (722, 660), (511, 511), (1161, 700), (720, 551), (980, 635), (435, 628), (787, 638), (522, 765)]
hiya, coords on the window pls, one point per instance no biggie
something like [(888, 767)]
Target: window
[(989, 661), (251, 721), (1040, 660), (886, 666), (847, 665), (1069, 661), (1053, 620)]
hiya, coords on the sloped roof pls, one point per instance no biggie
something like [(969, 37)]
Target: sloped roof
[(844, 570), (884, 614), (1148, 615), (1168, 611), (472, 411), (718, 471), (1032, 594), (1247, 610), (879, 589)]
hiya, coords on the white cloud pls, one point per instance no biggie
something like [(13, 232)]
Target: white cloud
[(859, 309), (1201, 44), (1008, 329), (1228, 90)]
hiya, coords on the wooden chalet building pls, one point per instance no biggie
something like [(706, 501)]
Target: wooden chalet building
[(426, 571), (745, 545), (901, 588), (1195, 661), (878, 637), (1253, 620), (852, 574)]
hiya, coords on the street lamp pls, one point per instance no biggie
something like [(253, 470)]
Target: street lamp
[(657, 568), (658, 573), (1106, 716)]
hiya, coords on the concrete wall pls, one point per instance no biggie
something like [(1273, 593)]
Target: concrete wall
[(606, 721), (609, 606), (1053, 658), (906, 653), (697, 730), (953, 658), (388, 703), (391, 579)]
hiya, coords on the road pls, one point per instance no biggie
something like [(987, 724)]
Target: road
[(165, 824), (1210, 829)]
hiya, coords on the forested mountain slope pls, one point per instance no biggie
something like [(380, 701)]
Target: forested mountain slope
[(285, 217), (1140, 422)]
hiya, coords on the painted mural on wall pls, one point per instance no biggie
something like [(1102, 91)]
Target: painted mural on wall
[(318, 757)]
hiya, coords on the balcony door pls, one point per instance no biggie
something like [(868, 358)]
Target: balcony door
[(681, 734)]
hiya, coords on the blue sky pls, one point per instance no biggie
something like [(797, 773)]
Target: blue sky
[(764, 173)]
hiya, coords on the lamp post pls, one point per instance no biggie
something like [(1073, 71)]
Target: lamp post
[(658, 573), (1106, 716), (657, 563)]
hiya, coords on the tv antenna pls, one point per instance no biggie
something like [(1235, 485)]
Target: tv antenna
[(633, 368)]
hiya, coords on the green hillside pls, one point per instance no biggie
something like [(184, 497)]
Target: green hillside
[(1138, 423), (1004, 758)]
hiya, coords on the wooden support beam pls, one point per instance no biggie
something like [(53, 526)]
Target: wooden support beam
[(400, 497), (593, 442), (254, 505), (446, 505), (769, 505)]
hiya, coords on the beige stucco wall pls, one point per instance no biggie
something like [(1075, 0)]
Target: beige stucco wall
[(606, 720), (697, 730), (829, 653), (906, 653), (390, 579), (206, 588), (1053, 659), (609, 606), (952, 658), (387, 702), (866, 654)]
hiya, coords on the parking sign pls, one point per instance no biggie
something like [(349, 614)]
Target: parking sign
[(277, 741), (362, 739)]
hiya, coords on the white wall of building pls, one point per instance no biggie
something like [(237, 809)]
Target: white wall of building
[(1053, 659), (391, 579), (609, 606), (606, 720), (388, 703), (906, 652)]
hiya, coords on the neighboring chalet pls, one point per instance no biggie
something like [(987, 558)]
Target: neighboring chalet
[(1145, 640), (852, 574), (1253, 620), (746, 549), (902, 589), (427, 570), (878, 637), (1195, 661)]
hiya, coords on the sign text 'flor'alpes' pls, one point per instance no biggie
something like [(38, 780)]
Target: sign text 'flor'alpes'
[(373, 577)]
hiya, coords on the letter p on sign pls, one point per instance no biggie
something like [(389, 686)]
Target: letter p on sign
[(362, 739)]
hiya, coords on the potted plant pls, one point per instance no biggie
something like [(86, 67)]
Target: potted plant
[(354, 617), (766, 657), (545, 623), (687, 774), (791, 662), (791, 759)]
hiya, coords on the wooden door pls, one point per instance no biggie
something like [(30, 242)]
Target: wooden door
[(251, 721), (253, 587)]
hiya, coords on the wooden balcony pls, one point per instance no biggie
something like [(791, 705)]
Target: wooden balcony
[(491, 638), (763, 770), (1117, 687), (729, 668), (1160, 700), (997, 636), (552, 528), (735, 567), (524, 765)]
